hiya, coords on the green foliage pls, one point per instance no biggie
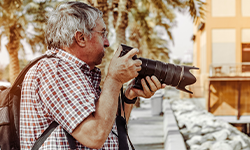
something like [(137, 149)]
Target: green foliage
[(147, 14)]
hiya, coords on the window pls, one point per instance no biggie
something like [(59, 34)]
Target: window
[(246, 56)]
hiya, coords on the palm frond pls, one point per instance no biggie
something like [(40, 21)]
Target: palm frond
[(196, 9)]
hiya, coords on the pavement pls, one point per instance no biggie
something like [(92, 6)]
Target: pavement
[(146, 130)]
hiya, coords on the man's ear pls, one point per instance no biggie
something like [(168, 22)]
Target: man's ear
[(80, 39)]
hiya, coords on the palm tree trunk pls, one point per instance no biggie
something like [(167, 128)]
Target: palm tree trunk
[(104, 7), (13, 66), (13, 48), (121, 22)]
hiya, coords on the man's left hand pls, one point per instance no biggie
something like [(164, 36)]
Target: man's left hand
[(147, 92)]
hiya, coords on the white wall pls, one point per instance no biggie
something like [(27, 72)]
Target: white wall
[(223, 46)]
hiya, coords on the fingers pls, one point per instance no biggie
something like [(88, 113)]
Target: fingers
[(118, 51), (124, 68), (138, 62), (138, 68), (132, 53), (154, 83), (146, 91)]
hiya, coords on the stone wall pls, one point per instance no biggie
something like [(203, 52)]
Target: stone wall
[(201, 130), (173, 140)]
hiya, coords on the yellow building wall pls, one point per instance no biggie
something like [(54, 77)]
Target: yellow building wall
[(238, 22), (245, 35), (228, 9), (245, 11), (221, 15)]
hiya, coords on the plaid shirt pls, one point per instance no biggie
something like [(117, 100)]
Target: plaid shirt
[(61, 89)]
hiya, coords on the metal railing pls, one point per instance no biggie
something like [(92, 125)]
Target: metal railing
[(234, 69)]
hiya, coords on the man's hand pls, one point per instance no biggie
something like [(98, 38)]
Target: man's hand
[(154, 84), (124, 68)]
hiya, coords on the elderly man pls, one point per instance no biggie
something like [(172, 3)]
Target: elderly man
[(65, 88)]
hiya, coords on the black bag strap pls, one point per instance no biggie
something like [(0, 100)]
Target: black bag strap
[(71, 140), (46, 134), (120, 107), (54, 124), (20, 77)]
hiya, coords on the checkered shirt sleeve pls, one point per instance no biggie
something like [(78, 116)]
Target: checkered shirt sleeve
[(61, 89)]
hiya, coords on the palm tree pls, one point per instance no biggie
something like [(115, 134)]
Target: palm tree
[(17, 17), (142, 34), (105, 7), (11, 28), (148, 14), (120, 12)]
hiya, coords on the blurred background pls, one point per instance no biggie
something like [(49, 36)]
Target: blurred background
[(213, 35), (161, 30)]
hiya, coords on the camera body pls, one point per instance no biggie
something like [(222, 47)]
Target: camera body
[(170, 74)]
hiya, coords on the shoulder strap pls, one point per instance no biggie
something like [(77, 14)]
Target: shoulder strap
[(39, 142), (120, 107), (54, 124), (44, 135), (18, 82), (22, 74)]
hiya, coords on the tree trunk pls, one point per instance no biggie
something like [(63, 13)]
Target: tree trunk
[(121, 22), (13, 66), (104, 7), (13, 48)]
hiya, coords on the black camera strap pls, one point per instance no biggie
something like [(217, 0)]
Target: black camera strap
[(121, 124)]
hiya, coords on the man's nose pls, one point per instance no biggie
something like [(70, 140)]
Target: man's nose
[(106, 42)]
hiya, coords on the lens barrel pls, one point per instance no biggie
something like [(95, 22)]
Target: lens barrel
[(170, 74)]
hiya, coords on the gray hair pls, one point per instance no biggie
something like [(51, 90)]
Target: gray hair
[(68, 18)]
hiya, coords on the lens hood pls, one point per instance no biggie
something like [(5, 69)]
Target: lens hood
[(170, 74)]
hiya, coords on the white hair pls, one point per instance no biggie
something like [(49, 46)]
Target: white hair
[(68, 18)]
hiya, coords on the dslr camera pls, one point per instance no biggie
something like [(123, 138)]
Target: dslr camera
[(170, 74)]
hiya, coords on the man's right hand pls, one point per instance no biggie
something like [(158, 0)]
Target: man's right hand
[(124, 68)]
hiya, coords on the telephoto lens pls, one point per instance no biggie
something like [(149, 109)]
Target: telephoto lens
[(170, 74)]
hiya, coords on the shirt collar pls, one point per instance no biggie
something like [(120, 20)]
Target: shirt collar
[(70, 58)]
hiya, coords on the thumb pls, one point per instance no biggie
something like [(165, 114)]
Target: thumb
[(118, 51)]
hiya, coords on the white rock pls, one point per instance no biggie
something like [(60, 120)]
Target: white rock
[(206, 130), (220, 145), (246, 148), (189, 125), (221, 135), (195, 130), (207, 145), (217, 134), (194, 140), (236, 145), (242, 141), (195, 147), (207, 137)]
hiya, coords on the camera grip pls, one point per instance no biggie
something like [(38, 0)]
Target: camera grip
[(125, 50)]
